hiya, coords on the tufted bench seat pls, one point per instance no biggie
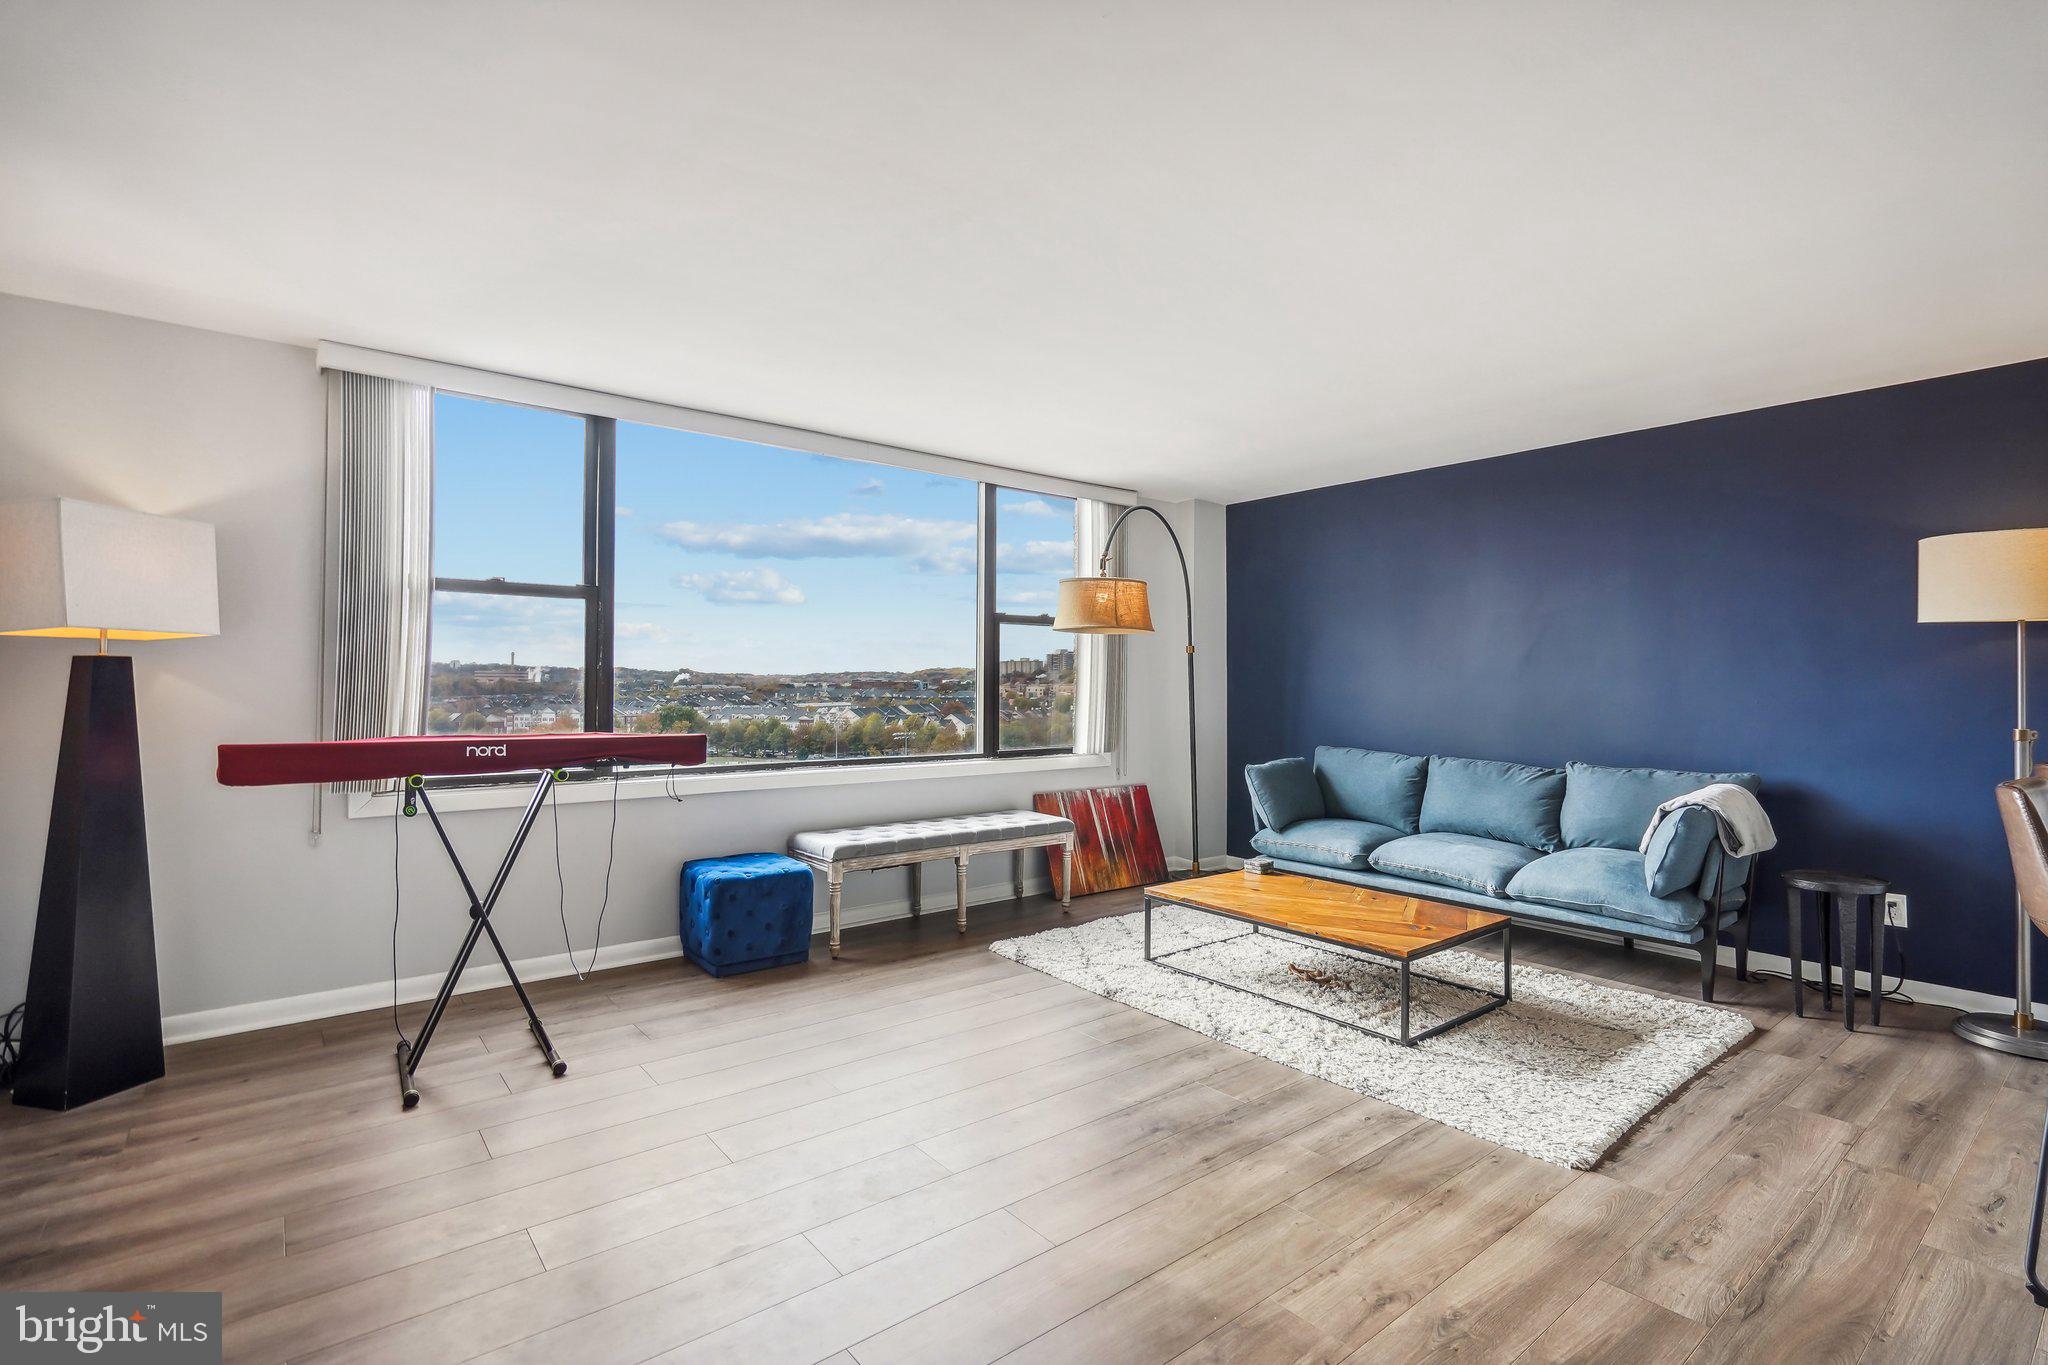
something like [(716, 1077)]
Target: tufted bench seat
[(908, 843)]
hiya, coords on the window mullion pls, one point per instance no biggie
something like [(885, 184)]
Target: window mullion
[(600, 526), (500, 587), (988, 701)]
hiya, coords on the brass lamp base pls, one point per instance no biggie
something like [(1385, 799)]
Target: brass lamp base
[(2002, 1033)]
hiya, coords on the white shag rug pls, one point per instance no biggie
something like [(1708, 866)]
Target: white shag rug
[(1561, 1072)]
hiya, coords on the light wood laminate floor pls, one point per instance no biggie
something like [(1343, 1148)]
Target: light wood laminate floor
[(924, 1152)]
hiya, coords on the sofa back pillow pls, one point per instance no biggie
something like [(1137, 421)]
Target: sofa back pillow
[(1677, 854), (1368, 784), (1611, 807), (1285, 792), (1509, 801)]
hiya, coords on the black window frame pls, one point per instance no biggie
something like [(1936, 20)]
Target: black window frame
[(989, 689), (598, 585)]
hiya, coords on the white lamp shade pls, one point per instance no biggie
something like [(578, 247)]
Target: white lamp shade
[(75, 569), (1985, 576)]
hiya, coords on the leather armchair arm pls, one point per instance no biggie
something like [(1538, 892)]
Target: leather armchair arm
[(2022, 806)]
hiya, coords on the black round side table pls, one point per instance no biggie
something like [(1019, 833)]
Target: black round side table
[(1847, 902)]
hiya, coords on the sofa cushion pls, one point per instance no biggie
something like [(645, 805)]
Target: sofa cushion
[(1326, 843), (1512, 802), (1611, 807), (1678, 850), (1462, 860), (1366, 784), (1285, 791), (1603, 881)]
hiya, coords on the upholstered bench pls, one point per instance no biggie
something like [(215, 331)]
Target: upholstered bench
[(908, 843)]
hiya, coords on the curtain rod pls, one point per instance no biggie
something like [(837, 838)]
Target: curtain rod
[(335, 355)]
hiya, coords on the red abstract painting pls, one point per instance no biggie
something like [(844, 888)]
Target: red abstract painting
[(1116, 842)]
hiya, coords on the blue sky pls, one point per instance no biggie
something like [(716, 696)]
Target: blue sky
[(731, 556)]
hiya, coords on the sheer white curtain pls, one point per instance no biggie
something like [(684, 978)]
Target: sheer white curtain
[(1098, 659), (380, 568)]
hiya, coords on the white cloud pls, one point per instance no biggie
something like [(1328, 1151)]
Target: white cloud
[(757, 586), (957, 559), (623, 511), (1030, 598), (1033, 507), (1038, 556), (867, 488), (649, 631), (931, 545)]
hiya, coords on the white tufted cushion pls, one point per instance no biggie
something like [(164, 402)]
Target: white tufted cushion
[(911, 836)]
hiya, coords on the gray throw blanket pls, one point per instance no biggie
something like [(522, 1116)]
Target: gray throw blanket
[(1745, 829)]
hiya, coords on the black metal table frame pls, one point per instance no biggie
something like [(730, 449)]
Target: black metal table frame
[(412, 1051), (1403, 966)]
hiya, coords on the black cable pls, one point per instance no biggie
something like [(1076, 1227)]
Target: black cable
[(396, 892), (10, 1043), (561, 886), (1895, 993), (610, 854)]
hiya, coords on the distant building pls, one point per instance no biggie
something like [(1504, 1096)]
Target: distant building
[(1060, 661)]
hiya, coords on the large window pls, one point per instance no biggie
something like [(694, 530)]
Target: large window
[(797, 608)]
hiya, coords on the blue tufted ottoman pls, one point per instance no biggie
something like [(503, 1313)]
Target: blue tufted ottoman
[(745, 913)]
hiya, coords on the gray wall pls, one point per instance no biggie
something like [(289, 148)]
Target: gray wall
[(228, 430)]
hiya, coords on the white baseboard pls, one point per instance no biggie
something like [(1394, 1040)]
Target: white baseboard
[(297, 1009), (488, 977), (1923, 992)]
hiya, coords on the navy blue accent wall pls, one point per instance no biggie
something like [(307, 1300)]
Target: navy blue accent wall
[(1734, 593)]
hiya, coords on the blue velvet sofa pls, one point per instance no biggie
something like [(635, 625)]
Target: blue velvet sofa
[(1552, 845)]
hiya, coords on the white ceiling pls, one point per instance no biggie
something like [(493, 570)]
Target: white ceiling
[(1202, 249)]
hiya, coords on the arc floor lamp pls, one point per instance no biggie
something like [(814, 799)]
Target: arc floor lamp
[(1997, 576), (1104, 605)]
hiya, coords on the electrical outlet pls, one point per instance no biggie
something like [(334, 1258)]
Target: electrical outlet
[(1895, 911)]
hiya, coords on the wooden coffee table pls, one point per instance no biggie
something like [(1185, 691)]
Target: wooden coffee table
[(1381, 924)]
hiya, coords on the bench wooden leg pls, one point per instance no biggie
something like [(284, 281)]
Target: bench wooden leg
[(832, 905), (1067, 875), (1017, 874), (916, 890), (960, 890)]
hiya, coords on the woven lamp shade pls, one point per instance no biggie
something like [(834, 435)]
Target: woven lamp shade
[(1982, 576), (1103, 606)]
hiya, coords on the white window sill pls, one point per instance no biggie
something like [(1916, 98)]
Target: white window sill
[(517, 791)]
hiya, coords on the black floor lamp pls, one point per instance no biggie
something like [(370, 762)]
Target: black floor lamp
[(76, 570), (1103, 605)]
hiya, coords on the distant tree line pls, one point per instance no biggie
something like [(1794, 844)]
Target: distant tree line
[(871, 736)]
